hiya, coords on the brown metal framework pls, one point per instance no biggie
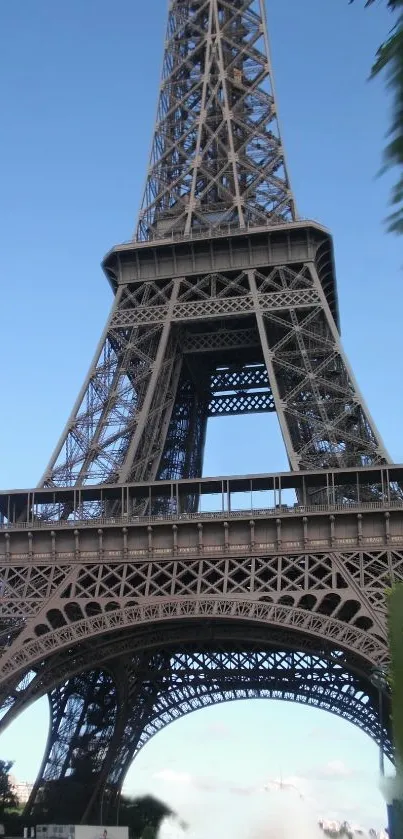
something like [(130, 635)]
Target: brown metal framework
[(216, 155), (133, 696), (296, 589), (134, 591)]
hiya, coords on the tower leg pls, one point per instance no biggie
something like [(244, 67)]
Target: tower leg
[(140, 681), (101, 720), (395, 819), (83, 715)]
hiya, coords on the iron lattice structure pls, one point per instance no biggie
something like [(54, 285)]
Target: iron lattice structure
[(217, 155), (220, 278), (265, 336), (138, 695), (97, 611), (120, 597)]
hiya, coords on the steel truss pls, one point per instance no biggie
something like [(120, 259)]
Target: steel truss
[(265, 295), (133, 610), (216, 154), (143, 411), (322, 572), (133, 696)]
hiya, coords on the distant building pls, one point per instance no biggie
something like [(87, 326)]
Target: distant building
[(22, 789)]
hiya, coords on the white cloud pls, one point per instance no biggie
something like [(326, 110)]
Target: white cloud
[(337, 769), (217, 805), (172, 777), (185, 779), (289, 782), (333, 770), (171, 828), (209, 784)]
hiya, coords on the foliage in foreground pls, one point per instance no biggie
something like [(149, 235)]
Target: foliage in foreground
[(389, 58), (8, 798), (63, 802), (395, 611)]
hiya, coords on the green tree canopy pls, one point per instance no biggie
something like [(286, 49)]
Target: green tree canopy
[(389, 59), (143, 816), (395, 614), (8, 798), (64, 801)]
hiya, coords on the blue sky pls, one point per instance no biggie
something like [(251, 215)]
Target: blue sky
[(78, 87)]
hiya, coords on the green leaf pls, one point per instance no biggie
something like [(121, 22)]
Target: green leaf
[(389, 59)]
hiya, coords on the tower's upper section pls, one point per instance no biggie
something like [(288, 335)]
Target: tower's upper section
[(217, 157)]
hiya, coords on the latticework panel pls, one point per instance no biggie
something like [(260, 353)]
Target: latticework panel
[(87, 706), (184, 446), (318, 401), (324, 578), (143, 408), (240, 389), (155, 688), (197, 332), (216, 155), (125, 401)]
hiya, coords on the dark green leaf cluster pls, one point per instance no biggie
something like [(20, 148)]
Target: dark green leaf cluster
[(64, 801), (389, 59), (143, 816), (395, 614), (8, 798), (392, 4)]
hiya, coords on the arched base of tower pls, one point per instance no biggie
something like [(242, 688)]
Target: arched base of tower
[(101, 718)]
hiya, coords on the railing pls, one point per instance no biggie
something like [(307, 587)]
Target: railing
[(215, 232), (223, 515)]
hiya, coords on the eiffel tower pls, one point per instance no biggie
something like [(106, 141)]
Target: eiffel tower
[(127, 596)]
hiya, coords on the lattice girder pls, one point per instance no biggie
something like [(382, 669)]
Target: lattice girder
[(238, 389), (154, 688), (216, 154), (224, 304), (128, 423), (327, 577)]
